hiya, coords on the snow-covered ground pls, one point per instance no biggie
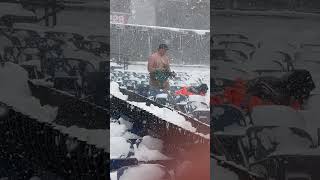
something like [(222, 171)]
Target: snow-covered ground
[(145, 149)]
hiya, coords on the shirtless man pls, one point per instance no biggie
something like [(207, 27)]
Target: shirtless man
[(159, 61)]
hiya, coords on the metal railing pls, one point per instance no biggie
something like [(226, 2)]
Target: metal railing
[(289, 5), (139, 42)]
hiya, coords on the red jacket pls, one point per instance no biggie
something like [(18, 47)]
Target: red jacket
[(236, 95), (184, 91)]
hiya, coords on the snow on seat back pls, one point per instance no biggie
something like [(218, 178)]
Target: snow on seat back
[(14, 81), (154, 172), (162, 96), (277, 115), (115, 91), (197, 98)]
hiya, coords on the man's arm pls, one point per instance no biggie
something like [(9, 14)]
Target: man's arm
[(168, 64), (151, 61)]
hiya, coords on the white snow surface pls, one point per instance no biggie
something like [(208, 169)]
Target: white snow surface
[(148, 149), (162, 96), (277, 115), (144, 172), (119, 147), (113, 175), (15, 92), (143, 153), (198, 98), (115, 91), (166, 114), (152, 143), (97, 137), (286, 141)]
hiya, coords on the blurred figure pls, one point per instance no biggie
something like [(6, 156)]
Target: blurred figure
[(191, 90), (159, 68)]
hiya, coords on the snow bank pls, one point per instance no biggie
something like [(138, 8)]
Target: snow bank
[(115, 91), (97, 137), (166, 114), (144, 172), (152, 143), (312, 120), (197, 98), (276, 115), (143, 153), (15, 92), (119, 147), (113, 176), (149, 149), (284, 138), (117, 130)]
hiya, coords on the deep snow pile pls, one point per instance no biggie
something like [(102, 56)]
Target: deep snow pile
[(147, 149), (97, 137), (115, 91), (144, 172), (15, 92), (166, 114), (281, 140), (276, 115)]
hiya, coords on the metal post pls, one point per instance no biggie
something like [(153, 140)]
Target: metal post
[(119, 47), (149, 43), (181, 47), (54, 17), (46, 12)]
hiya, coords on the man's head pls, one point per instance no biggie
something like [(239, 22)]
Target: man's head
[(162, 49)]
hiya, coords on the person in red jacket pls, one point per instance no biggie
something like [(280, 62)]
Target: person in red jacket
[(187, 91), (238, 96)]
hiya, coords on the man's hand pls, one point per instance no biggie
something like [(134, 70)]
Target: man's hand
[(161, 69)]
